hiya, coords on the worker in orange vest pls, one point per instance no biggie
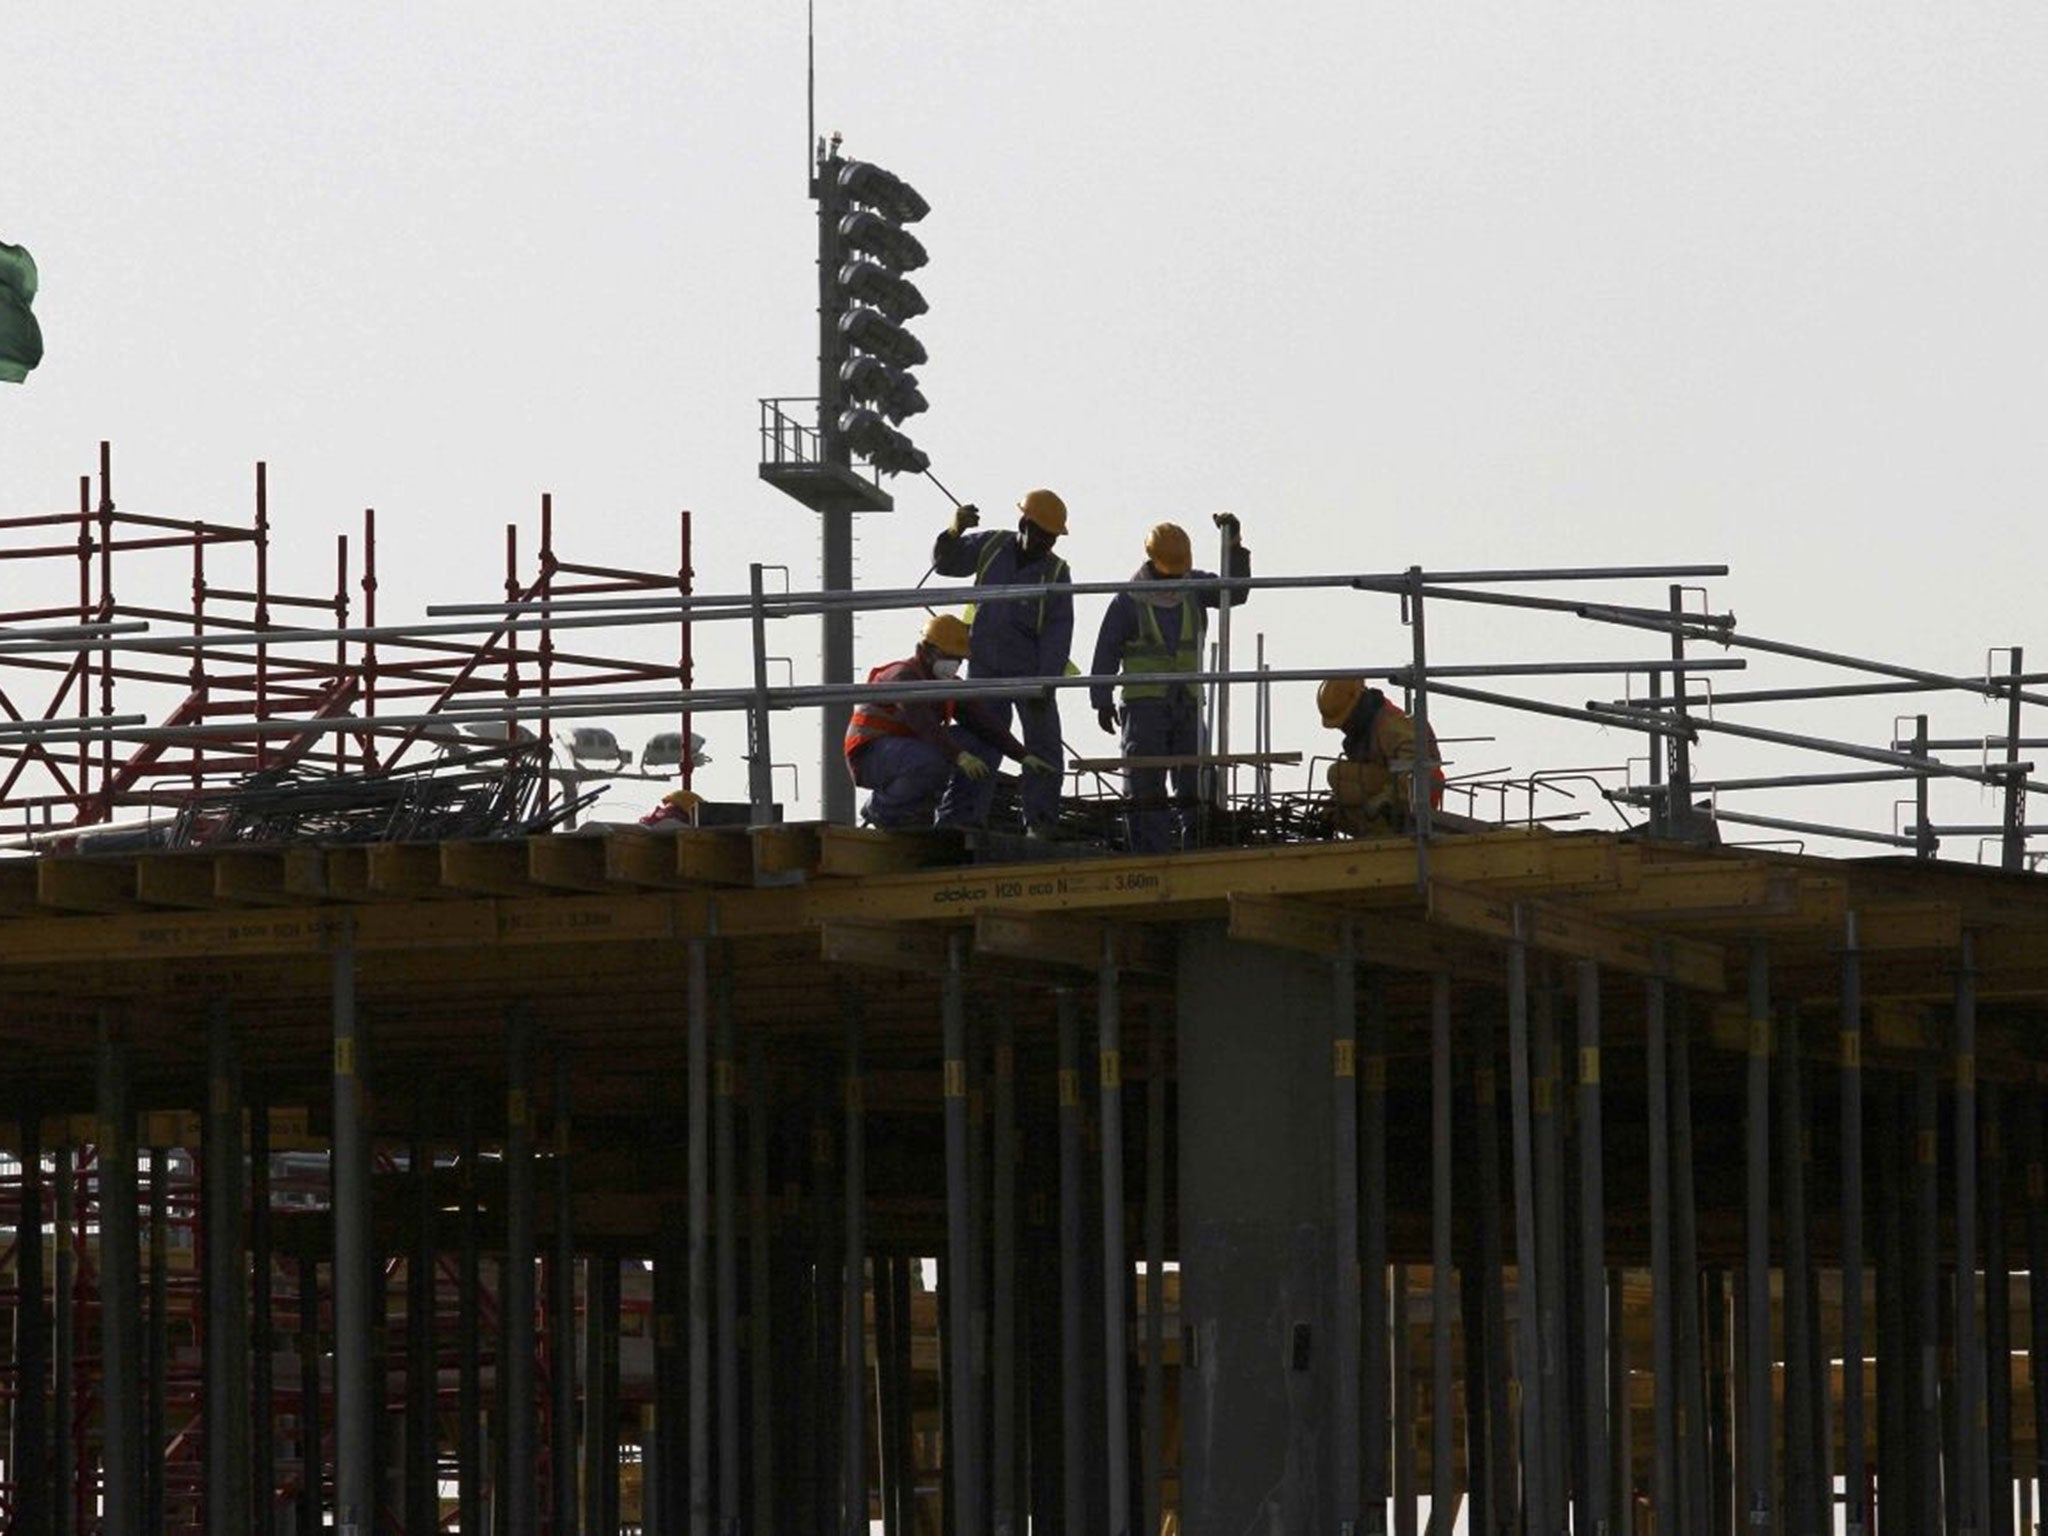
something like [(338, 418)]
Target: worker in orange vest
[(1371, 782), (904, 751)]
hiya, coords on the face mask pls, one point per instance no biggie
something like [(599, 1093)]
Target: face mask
[(945, 666)]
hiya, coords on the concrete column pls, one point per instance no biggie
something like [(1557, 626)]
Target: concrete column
[(1257, 1241)]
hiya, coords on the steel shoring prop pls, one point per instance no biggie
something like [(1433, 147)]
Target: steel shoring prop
[(1663, 1301), (1973, 1476), (515, 1291), (1925, 1418), (120, 1280), (1595, 1431), (2031, 1117), (1551, 1273), (1073, 1352), (1443, 1496), (1154, 1422), (853, 1381), (963, 1468), (1755, 1416), (1801, 1450), (1372, 1173), (1695, 1495), (1002, 1275), (698, 1157), (1116, 1269), (1997, 1319), (759, 1283), (1499, 1439), (1344, 1161), (561, 1322), (354, 1484), (1854, 1459), (725, 1216)]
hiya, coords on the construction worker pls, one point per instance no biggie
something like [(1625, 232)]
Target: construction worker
[(1371, 783), (1014, 638), (904, 751), (678, 808), (1146, 631)]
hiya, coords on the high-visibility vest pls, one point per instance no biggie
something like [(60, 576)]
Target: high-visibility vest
[(1147, 650), (1055, 568), (879, 718)]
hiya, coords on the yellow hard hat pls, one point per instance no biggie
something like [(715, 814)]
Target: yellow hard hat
[(944, 633), (1167, 547), (1337, 697), (1044, 509)]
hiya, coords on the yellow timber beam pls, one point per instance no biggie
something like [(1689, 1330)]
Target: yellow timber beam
[(1073, 943), (1563, 930), (885, 946)]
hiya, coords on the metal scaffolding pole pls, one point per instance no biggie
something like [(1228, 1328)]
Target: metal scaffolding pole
[(725, 1203), (227, 1309), (422, 1421), (1116, 1269), (600, 1429), (1374, 1408), (760, 1287), (1550, 1275), (2036, 1105), (1756, 1404), (1403, 1348), (1973, 1474), (311, 1457), (1498, 1353), (262, 1316), (1536, 1492), (1073, 1356), (1694, 1489), (701, 1487), (1663, 1302), (1802, 1454), (120, 1312), (63, 1491), (1003, 1439), (1154, 1425), (1344, 1426), (853, 1379), (1926, 1416), (1593, 1255), (1997, 1321), (963, 1466), (469, 1458), (354, 1412), (30, 1454), (1855, 1458), (1443, 1294), (561, 1318), (156, 1342), (515, 1287)]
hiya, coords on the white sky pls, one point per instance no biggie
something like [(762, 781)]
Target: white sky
[(1553, 285)]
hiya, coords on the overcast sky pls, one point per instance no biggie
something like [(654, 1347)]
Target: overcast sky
[(1548, 286)]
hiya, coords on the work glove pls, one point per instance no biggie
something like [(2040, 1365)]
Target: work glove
[(1228, 520), (1106, 718), (1033, 763), (964, 518), (971, 765)]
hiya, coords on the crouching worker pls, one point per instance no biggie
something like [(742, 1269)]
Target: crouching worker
[(1371, 783), (903, 751)]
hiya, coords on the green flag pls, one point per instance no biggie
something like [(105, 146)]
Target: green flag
[(21, 340)]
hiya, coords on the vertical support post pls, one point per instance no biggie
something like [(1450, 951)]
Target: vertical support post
[(1442, 1276), (311, 1454), (1551, 1272), (760, 760), (30, 1455), (1854, 1456), (906, 1502), (2037, 1285), (561, 1316), (1498, 1448), (1422, 779), (156, 1342), (1926, 1415), (1678, 801), (1003, 1439), (1924, 840), (1757, 1441), (2013, 851), (263, 1443), (515, 1286), (700, 1236), (227, 1308), (1155, 1276), (1997, 1322), (64, 1314), (1802, 1454), (1593, 1256), (1404, 1408), (853, 1460), (1073, 1351), (725, 1201), (354, 1426), (1374, 1408), (469, 1457), (422, 1423), (1536, 1491), (759, 1284), (1116, 1269), (1663, 1302), (1694, 1488), (963, 1468), (1972, 1475), (1344, 1427), (600, 1425)]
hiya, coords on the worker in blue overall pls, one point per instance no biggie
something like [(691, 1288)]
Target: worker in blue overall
[(1014, 637), (1155, 632)]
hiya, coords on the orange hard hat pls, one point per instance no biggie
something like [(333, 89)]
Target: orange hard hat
[(946, 634), (1337, 697), (1167, 547), (1044, 509)]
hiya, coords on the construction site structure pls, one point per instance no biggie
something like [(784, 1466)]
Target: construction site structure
[(448, 1168)]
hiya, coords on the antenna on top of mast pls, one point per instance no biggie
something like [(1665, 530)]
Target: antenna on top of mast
[(810, 88)]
